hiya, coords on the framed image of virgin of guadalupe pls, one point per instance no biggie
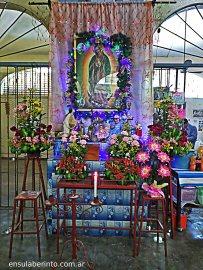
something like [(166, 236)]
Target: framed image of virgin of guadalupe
[(96, 68)]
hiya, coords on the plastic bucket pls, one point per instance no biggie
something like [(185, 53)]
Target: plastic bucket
[(181, 162)]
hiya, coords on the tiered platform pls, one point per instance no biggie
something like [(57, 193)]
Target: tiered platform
[(115, 202)]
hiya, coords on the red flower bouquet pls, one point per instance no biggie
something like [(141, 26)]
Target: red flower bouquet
[(72, 168), (122, 169)]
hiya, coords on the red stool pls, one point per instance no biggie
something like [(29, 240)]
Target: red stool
[(161, 227), (35, 198)]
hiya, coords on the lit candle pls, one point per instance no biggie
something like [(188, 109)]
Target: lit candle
[(95, 184)]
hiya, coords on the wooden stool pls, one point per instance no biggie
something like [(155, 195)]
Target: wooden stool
[(161, 227), (35, 198)]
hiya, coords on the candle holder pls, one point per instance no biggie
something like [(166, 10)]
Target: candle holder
[(96, 202)]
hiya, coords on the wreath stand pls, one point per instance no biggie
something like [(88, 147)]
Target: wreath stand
[(35, 160)]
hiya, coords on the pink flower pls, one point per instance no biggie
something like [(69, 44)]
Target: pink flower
[(125, 139), (28, 139), (42, 139), (73, 138), (114, 136), (163, 157), (35, 140), (83, 142), (21, 107), (112, 141), (145, 172), (142, 157), (181, 113), (153, 146), (135, 137), (64, 138), (135, 143), (164, 171), (74, 132)]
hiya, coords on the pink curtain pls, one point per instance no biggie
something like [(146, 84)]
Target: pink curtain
[(131, 19)]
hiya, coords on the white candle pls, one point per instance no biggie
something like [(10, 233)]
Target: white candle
[(95, 184)]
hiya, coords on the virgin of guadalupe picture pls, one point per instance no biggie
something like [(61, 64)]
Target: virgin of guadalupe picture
[(99, 68), (95, 70)]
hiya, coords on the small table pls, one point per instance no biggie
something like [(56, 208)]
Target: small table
[(181, 179), (108, 185)]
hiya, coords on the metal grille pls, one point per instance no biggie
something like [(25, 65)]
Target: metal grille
[(15, 79)]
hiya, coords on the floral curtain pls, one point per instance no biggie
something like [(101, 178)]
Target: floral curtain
[(135, 20)]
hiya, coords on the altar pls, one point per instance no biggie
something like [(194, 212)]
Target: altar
[(102, 89), (116, 202)]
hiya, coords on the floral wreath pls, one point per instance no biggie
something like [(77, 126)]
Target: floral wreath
[(121, 47)]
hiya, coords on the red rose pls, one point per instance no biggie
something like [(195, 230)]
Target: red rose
[(13, 128), (49, 128)]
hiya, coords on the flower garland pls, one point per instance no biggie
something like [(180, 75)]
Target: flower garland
[(121, 46), (71, 92)]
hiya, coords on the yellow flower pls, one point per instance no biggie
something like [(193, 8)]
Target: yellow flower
[(157, 104)]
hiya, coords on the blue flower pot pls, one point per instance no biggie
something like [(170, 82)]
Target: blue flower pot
[(181, 162)]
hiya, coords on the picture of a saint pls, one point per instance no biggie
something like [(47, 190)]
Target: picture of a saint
[(99, 68), (96, 75)]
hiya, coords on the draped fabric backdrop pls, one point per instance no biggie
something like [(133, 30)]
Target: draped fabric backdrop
[(132, 19)]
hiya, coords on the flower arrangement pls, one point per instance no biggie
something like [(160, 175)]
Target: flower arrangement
[(124, 145), (122, 169), (72, 168), (168, 129), (153, 163), (72, 165), (30, 134), (76, 146)]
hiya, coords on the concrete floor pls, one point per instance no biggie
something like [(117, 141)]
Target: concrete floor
[(185, 252)]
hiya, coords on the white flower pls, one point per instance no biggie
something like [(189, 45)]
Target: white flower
[(124, 132)]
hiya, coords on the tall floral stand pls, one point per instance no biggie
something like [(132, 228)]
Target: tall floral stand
[(35, 160)]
